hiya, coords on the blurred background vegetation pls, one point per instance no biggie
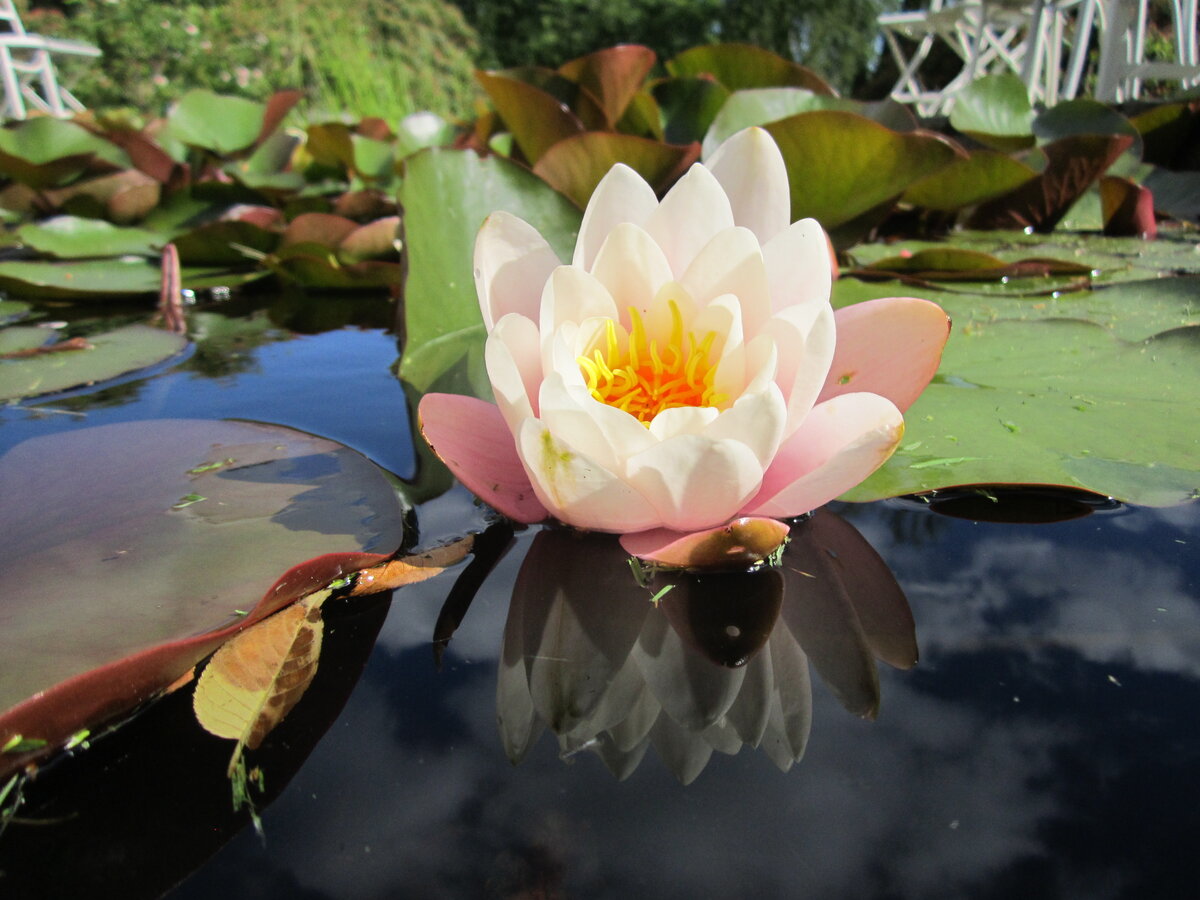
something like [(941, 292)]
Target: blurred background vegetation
[(391, 57)]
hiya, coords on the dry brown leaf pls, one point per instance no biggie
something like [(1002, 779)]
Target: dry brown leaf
[(411, 569), (255, 679)]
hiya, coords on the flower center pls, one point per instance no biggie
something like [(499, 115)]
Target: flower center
[(646, 378)]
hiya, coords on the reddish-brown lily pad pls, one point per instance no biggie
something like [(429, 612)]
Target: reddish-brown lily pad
[(134, 550)]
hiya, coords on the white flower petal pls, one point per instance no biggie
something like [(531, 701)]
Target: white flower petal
[(576, 489), (732, 263), (757, 420), (610, 435), (799, 269), (682, 420), (752, 171), (621, 196), (512, 262), (632, 267), (723, 317), (695, 482), (690, 215), (806, 338), (512, 356)]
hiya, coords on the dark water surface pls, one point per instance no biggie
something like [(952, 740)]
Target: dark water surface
[(1046, 744)]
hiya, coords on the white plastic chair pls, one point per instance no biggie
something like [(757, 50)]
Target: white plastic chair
[(1123, 66), (990, 36), (27, 69)]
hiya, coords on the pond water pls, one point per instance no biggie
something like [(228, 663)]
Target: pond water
[(1046, 743)]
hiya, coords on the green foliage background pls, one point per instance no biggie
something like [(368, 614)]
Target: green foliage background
[(390, 57), (838, 40), (372, 57)]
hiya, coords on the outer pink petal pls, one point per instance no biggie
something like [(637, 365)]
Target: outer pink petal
[(839, 444), (512, 263), (742, 542), (889, 347), (469, 435)]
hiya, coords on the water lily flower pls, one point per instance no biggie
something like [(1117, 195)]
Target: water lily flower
[(685, 370)]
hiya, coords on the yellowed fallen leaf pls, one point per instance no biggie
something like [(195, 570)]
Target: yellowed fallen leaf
[(411, 569), (256, 678)]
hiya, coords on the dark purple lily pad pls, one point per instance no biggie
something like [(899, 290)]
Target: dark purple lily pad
[(134, 550)]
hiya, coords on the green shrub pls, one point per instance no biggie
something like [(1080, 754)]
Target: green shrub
[(373, 57)]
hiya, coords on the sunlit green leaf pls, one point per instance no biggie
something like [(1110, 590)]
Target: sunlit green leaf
[(995, 110), (214, 122), (446, 195), (842, 165), (69, 237), (964, 182)]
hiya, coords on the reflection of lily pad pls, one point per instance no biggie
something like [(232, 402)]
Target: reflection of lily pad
[(109, 356), (126, 556)]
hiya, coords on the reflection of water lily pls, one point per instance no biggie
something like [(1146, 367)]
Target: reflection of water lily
[(722, 661), (682, 370)]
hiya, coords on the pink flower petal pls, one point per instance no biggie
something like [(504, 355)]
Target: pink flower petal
[(742, 542), (512, 262), (889, 347), (839, 444), (469, 435)]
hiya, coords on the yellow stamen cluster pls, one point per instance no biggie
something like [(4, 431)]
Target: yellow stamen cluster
[(645, 379)]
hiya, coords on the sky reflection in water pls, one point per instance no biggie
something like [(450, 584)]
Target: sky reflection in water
[(1046, 743)]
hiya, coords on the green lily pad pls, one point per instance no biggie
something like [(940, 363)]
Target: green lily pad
[(612, 75), (1095, 389), (1073, 165), (982, 176), (842, 166), (446, 195), (111, 355), (213, 122), (742, 66), (762, 105), (168, 506), (537, 118), (82, 279), (688, 107), (995, 110), (43, 152), (69, 237), (575, 165)]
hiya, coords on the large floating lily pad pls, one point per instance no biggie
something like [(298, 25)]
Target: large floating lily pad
[(105, 356), (133, 550), (1095, 389)]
